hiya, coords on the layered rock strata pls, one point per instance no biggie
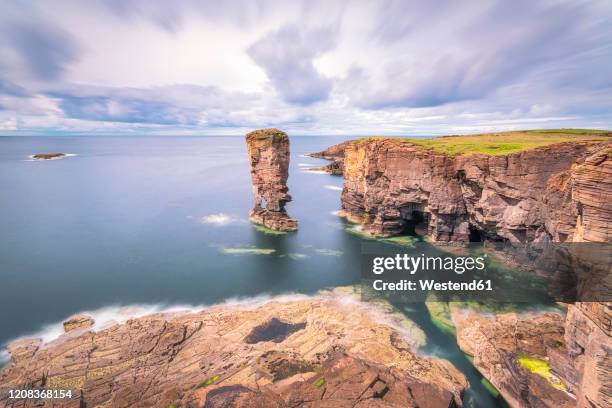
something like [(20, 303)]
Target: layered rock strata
[(334, 153), (500, 343), (549, 193), (557, 193), (320, 351), (268, 151)]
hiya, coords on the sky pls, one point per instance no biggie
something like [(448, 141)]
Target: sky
[(152, 67)]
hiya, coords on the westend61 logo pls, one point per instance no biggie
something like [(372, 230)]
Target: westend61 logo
[(412, 264)]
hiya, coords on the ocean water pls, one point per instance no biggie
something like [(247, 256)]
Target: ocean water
[(162, 222)]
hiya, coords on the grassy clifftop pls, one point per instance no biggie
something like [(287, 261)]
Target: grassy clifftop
[(507, 142), (501, 143)]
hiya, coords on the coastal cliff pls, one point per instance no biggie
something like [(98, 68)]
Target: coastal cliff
[(392, 187), (317, 351), (559, 192), (268, 151)]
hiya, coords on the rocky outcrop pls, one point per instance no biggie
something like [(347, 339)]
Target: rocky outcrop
[(506, 346), (268, 151), (318, 351), (78, 322), (334, 153), (557, 193), (47, 156), (540, 194), (588, 335)]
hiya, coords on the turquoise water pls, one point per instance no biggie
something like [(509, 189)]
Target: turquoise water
[(162, 221)]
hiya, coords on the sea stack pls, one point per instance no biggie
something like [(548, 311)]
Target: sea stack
[(268, 151)]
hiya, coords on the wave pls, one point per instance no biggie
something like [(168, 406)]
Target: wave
[(108, 316), (332, 187), (220, 219), (312, 170)]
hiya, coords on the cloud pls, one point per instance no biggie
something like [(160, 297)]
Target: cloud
[(45, 48), (495, 47), (398, 67), (287, 55)]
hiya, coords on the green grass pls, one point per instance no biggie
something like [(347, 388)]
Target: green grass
[(502, 143), (571, 131), (541, 368), (320, 382)]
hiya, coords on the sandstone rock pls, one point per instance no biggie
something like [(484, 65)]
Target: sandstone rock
[(546, 193), (47, 156), (330, 352), (77, 322), (268, 151), (588, 335), (335, 152), (497, 342), (558, 193)]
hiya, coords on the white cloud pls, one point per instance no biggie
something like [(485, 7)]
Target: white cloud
[(310, 67)]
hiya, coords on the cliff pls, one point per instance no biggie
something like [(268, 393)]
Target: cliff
[(268, 151), (512, 352), (548, 193), (552, 193), (321, 350)]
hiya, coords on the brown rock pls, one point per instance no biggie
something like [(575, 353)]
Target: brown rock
[(588, 334), (496, 342), (539, 194), (48, 156), (268, 151), (558, 193), (329, 353), (77, 322)]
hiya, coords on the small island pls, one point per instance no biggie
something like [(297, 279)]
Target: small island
[(48, 156)]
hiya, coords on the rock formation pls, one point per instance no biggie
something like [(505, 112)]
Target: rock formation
[(557, 193), (318, 351), (334, 153), (588, 335), (391, 186), (268, 151), (47, 156), (77, 322), (498, 343)]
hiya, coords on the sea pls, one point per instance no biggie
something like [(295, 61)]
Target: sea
[(129, 225)]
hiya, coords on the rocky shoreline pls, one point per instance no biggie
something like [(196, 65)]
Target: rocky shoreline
[(558, 193), (327, 350)]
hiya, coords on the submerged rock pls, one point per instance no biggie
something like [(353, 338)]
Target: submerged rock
[(268, 151), (327, 348)]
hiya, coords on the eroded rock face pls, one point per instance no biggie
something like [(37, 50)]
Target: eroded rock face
[(558, 193), (540, 194), (78, 322), (328, 352), (268, 151), (497, 343)]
